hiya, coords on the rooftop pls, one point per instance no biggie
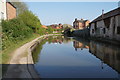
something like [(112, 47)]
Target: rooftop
[(11, 4), (82, 20), (107, 15)]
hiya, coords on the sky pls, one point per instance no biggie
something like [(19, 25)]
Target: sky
[(65, 12)]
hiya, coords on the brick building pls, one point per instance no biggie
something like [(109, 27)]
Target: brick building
[(43, 26), (57, 26), (7, 10), (80, 24), (10, 10)]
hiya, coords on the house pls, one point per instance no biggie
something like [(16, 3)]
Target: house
[(10, 10), (107, 25), (57, 26), (7, 10), (80, 24), (43, 26)]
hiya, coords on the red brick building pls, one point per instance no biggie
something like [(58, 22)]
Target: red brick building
[(43, 26), (80, 24), (55, 26), (10, 10)]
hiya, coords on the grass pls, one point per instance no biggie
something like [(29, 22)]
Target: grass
[(7, 53)]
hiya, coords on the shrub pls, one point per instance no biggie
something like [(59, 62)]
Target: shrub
[(13, 31)]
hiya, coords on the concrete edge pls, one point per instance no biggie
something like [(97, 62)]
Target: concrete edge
[(30, 61)]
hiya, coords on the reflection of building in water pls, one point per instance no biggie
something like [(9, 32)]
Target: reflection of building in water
[(78, 44), (59, 39), (108, 54)]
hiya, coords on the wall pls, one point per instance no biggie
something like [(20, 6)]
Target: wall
[(87, 23), (107, 30), (11, 11), (81, 25), (117, 36), (2, 9), (82, 33)]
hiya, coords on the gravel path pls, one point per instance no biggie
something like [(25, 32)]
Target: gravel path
[(21, 63)]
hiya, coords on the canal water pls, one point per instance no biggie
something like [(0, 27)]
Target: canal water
[(64, 57)]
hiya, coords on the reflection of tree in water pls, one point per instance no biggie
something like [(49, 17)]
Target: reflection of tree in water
[(50, 39), (37, 50)]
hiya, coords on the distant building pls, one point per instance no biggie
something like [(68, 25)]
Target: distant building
[(107, 25), (80, 24), (57, 26), (43, 26), (7, 10)]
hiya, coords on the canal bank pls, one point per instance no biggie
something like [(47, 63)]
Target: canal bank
[(21, 63)]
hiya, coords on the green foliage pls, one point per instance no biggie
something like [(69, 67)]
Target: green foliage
[(13, 31), (21, 6), (30, 20), (67, 25)]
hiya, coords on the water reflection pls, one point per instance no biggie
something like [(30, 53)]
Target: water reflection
[(79, 45), (108, 54), (56, 54)]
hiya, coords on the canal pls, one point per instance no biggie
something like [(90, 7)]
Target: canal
[(64, 57)]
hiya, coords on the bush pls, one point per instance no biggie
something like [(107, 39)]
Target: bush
[(13, 31)]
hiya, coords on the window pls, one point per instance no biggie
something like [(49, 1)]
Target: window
[(118, 30), (92, 30), (104, 31), (107, 22), (2, 15), (95, 26)]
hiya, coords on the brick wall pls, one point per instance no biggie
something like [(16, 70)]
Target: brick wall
[(11, 11), (87, 23)]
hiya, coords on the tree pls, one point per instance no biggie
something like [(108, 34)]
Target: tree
[(66, 25), (30, 20), (21, 6)]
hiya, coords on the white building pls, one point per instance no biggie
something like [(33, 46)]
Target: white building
[(107, 25), (3, 10)]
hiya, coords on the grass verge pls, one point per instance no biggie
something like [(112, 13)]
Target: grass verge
[(7, 53)]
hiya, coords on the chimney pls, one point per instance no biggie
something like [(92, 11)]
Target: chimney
[(102, 13), (81, 18), (75, 19)]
